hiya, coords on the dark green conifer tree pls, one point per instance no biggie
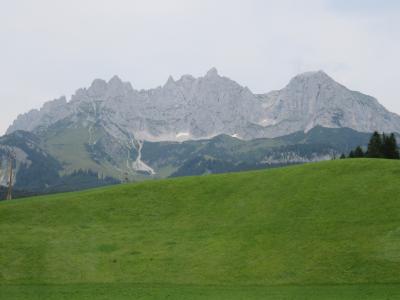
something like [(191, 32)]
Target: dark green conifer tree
[(375, 146), (358, 152), (385, 149), (392, 150)]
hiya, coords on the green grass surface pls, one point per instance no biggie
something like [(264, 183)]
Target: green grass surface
[(68, 147), (319, 231), (135, 291)]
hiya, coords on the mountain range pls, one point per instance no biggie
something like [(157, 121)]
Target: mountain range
[(111, 131), (200, 108)]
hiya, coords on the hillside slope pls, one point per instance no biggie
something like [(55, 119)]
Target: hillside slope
[(50, 163), (324, 224)]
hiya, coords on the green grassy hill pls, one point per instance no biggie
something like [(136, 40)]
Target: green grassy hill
[(327, 230)]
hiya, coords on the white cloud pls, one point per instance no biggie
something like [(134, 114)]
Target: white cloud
[(50, 48)]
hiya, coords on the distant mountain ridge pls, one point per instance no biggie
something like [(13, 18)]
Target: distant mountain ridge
[(200, 108), (110, 132)]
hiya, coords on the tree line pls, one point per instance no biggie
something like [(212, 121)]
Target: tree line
[(379, 146)]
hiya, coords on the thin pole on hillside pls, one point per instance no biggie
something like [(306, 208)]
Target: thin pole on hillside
[(11, 158)]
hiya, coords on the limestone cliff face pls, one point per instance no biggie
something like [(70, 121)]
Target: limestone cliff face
[(196, 108), (189, 108), (313, 98)]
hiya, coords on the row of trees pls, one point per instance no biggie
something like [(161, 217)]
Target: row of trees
[(379, 146)]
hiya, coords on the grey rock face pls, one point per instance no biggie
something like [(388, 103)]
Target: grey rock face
[(189, 108), (50, 113), (313, 98), (195, 108)]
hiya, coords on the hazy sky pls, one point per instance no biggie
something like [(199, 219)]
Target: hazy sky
[(49, 48)]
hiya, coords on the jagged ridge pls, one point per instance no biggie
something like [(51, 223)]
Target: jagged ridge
[(195, 108)]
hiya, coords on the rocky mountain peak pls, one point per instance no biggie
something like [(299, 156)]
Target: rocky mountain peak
[(100, 90), (212, 73), (115, 81), (315, 99), (98, 87), (307, 78), (194, 108), (170, 82), (187, 78), (116, 87), (313, 74)]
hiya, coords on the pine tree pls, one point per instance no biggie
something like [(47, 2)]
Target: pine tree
[(392, 148), (375, 146), (342, 156), (389, 147), (358, 152), (351, 154), (386, 148)]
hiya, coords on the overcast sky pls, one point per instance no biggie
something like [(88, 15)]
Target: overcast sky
[(49, 48)]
